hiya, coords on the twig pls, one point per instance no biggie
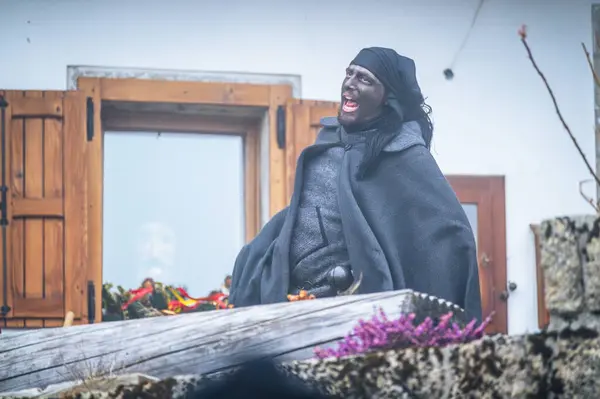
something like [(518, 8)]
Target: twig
[(523, 34), (589, 60), (585, 197), (69, 319)]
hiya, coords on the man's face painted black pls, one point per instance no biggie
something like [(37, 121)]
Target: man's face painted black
[(363, 96)]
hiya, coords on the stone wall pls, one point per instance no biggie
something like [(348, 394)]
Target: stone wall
[(570, 258)]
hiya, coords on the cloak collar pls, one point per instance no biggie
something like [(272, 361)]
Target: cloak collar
[(409, 135)]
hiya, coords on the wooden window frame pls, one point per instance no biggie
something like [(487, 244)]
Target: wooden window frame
[(246, 128), (267, 97), (543, 314)]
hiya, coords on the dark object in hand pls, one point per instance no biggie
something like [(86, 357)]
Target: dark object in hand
[(340, 278)]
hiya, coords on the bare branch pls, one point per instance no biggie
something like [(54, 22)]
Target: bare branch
[(523, 34), (589, 60), (585, 197)]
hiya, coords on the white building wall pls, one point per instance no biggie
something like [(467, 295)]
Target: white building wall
[(495, 117)]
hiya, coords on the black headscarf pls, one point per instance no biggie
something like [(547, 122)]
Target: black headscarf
[(404, 101), (398, 75)]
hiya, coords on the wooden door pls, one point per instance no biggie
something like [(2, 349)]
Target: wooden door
[(303, 122), (483, 200), (44, 259)]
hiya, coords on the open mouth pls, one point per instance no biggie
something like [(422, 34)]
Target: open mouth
[(349, 105)]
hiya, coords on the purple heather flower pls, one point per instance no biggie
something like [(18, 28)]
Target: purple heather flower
[(381, 333)]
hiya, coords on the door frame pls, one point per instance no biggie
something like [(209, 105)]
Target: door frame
[(542, 310), (488, 193), (267, 97)]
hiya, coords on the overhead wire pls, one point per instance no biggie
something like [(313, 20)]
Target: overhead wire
[(449, 72)]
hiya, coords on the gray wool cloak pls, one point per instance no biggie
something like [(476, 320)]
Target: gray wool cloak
[(403, 225)]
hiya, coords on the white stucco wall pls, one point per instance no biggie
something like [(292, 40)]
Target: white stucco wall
[(493, 118)]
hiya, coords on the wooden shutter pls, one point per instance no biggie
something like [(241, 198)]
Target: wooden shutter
[(46, 233), (302, 126)]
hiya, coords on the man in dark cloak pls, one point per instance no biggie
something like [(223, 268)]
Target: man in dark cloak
[(369, 203)]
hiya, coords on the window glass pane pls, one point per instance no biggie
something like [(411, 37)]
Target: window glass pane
[(471, 211), (173, 208)]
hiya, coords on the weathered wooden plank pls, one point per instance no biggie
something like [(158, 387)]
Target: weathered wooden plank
[(277, 163), (37, 107), (75, 229), (37, 207), (144, 90), (194, 343)]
